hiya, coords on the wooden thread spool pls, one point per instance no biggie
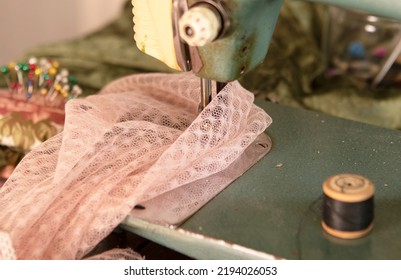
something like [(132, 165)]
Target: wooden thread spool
[(348, 206)]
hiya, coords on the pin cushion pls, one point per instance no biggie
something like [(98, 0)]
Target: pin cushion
[(32, 107)]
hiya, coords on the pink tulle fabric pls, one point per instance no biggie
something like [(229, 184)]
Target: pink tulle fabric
[(140, 137)]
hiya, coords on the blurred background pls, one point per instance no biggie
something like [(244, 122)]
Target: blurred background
[(320, 58), (26, 23)]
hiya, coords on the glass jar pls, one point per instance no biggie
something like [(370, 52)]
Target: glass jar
[(360, 44)]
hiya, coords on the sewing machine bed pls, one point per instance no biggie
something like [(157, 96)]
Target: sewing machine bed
[(274, 209)]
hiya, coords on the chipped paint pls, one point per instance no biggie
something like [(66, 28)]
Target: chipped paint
[(193, 244)]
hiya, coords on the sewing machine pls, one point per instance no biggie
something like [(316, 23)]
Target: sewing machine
[(219, 40), (275, 216)]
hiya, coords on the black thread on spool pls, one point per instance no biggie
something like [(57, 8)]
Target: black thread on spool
[(345, 216)]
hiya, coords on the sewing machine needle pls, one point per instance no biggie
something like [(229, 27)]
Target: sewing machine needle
[(206, 94)]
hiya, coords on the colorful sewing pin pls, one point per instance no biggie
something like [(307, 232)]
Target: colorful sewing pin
[(54, 87), (65, 91), (56, 90), (29, 92), (31, 77), (54, 64), (24, 67), (33, 61), (11, 65), (18, 85), (75, 92), (4, 70), (41, 77), (52, 71), (6, 73), (12, 76)]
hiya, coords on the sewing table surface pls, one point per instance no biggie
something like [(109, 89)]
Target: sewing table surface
[(274, 210)]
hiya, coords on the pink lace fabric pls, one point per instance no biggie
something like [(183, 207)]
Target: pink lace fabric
[(140, 137), (6, 248)]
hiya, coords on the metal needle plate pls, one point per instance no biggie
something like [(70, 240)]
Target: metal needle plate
[(161, 210)]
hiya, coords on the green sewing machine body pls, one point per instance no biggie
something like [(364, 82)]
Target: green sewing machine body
[(251, 26)]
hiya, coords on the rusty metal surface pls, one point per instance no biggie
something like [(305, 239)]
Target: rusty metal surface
[(245, 46)]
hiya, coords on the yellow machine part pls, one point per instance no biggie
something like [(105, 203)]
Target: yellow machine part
[(154, 30)]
